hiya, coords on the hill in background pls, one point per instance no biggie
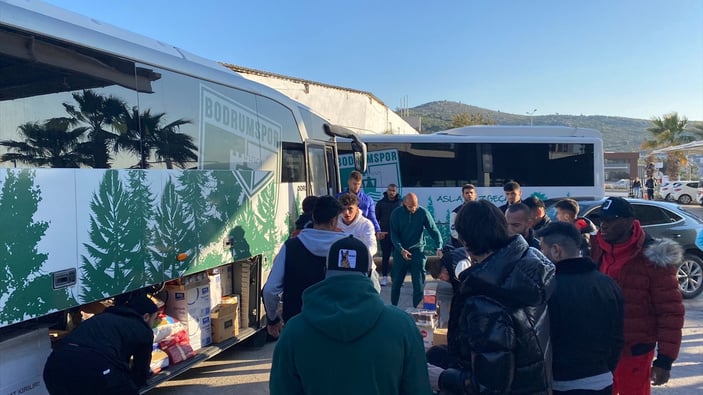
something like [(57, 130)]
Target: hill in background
[(620, 134)]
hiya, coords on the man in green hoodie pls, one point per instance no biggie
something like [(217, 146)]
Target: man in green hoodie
[(408, 223), (331, 347)]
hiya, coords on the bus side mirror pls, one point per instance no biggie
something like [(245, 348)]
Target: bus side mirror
[(358, 147), (359, 150)]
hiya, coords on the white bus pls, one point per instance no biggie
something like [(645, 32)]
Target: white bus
[(547, 161), (125, 163)]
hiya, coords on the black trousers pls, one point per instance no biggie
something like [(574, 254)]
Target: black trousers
[(605, 391), (75, 371), (386, 251)]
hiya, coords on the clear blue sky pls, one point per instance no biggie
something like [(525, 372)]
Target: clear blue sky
[(632, 58)]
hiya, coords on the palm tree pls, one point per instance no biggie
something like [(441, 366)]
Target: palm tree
[(98, 112), (136, 131), (171, 146), (667, 131), (50, 144), (143, 135)]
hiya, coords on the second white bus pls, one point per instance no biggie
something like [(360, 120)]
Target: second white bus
[(547, 161)]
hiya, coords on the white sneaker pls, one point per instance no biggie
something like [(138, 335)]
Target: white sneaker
[(384, 281)]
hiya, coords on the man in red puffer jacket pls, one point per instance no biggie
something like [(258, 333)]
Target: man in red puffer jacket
[(645, 268)]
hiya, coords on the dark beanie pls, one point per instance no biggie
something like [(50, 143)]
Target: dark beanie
[(142, 305)]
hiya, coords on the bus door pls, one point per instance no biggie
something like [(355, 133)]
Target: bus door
[(322, 170)]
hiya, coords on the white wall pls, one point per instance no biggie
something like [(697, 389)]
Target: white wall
[(355, 110)]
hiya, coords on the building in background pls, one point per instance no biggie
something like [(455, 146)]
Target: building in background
[(357, 110)]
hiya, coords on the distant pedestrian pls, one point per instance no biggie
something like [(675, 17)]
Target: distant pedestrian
[(513, 195), (637, 188), (366, 203), (520, 223), (408, 223), (468, 194), (300, 263), (645, 268), (346, 340), (649, 185), (540, 219), (305, 219), (504, 345), (384, 208), (586, 316)]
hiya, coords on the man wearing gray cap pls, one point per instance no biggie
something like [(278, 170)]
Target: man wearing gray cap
[(645, 268), (346, 340)]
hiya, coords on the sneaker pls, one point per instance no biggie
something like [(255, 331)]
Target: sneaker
[(384, 281)]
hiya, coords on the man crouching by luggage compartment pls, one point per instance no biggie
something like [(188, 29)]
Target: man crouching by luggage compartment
[(95, 357)]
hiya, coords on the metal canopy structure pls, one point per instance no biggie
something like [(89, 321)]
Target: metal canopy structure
[(688, 148)]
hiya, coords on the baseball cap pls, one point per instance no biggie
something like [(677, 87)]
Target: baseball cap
[(348, 255), (616, 207), (142, 305)]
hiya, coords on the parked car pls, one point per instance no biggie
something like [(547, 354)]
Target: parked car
[(684, 191), (660, 219), (664, 189)]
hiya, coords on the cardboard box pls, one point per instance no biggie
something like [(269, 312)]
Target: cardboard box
[(189, 302), (22, 359), (234, 300), (224, 322), (427, 332), (439, 337), (215, 281)]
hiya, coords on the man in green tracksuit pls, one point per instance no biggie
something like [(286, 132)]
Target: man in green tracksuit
[(346, 340), (408, 223)]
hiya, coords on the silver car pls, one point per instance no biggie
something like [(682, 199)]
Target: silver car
[(660, 219)]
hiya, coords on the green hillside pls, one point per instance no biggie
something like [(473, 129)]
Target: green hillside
[(620, 134)]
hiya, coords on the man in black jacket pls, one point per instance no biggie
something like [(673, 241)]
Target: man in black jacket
[(384, 208), (503, 344), (95, 357), (586, 314)]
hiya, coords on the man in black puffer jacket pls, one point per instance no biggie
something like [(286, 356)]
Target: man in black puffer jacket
[(504, 344)]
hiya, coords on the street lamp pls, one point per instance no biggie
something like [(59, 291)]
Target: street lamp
[(530, 114)]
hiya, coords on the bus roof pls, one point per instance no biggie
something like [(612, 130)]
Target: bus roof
[(522, 134), (521, 130), (50, 21)]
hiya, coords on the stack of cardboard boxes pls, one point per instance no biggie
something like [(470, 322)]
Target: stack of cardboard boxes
[(224, 316), (188, 301)]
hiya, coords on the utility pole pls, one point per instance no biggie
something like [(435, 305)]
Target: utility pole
[(530, 114)]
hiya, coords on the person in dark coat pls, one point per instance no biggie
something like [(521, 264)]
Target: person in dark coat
[(540, 219), (468, 194), (513, 194), (95, 357), (305, 219), (384, 208), (568, 211), (504, 345), (586, 314), (519, 221)]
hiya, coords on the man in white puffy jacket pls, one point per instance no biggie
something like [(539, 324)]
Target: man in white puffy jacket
[(352, 222)]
